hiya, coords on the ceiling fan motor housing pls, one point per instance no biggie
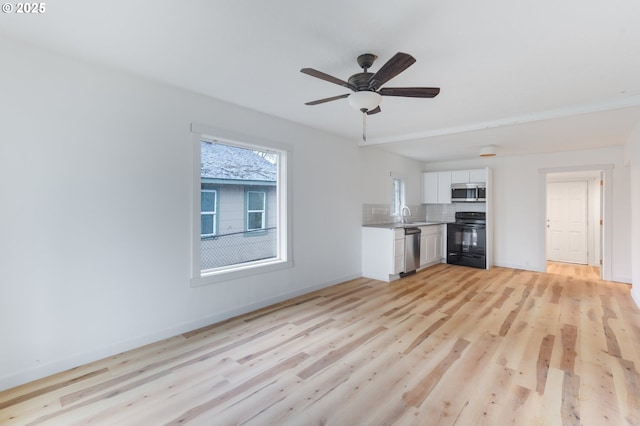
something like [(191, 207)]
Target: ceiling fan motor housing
[(360, 81)]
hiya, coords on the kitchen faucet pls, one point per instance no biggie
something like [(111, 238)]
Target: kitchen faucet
[(403, 216)]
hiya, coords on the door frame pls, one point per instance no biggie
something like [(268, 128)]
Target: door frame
[(607, 209)]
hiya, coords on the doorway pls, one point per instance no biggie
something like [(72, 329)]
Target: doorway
[(575, 206), (567, 220)]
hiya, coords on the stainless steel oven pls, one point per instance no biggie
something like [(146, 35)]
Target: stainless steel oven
[(467, 240)]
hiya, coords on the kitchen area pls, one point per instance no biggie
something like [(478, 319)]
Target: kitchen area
[(452, 224)]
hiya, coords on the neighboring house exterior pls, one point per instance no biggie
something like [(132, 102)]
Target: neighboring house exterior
[(238, 206)]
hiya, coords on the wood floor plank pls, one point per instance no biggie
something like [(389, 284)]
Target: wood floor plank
[(544, 360), (338, 353), (599, 408), (447, 402), (201, 409), (448, 345), (416, 395), (570, 399), (50, 388)]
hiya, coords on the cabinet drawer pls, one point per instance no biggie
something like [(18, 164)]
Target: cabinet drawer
[(431, 229)]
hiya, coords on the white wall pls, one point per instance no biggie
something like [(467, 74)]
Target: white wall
[(519, 236), (95, 183), (633, 152), (376, 169)]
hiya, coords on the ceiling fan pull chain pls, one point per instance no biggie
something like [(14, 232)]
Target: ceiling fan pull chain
[(364, 126)]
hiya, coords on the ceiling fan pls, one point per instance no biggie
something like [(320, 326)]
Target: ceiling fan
[(367, 86)]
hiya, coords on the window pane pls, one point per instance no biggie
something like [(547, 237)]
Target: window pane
[(243, 178), (206, 224), (255, 200), (255, 221), (208, 201), (397, 196)]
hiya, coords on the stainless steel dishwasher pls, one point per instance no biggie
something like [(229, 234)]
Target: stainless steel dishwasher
[(411, 250)]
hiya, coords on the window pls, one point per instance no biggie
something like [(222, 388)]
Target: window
[(397, 196), (208, 200), (240, 191), (256, 209)]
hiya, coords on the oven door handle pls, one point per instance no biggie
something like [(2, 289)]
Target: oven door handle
[(468, 225)]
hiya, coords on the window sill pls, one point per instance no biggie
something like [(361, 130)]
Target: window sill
[(239, 271)]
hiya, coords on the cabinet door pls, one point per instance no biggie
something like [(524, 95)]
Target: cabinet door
[(398, 251), (423, 245), (460, 176), (431, 252), (438, 247), (430, 244), (477, 175), (444, 187), (430, 188)]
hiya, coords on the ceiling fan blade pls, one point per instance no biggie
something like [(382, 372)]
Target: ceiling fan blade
[(321, 101), (394, 66), (410, 92), (326, 77), (374, 111)]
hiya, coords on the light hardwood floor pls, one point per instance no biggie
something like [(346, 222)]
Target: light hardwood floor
[(447, 346), (586, 272)]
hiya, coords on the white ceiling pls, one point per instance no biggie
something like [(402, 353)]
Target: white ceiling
[(528, 77)]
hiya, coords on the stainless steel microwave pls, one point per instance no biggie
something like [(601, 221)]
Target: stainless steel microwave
[(468, 193)]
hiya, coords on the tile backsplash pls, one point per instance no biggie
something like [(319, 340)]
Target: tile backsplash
[(381, 213), (441, 212), (447, 212)]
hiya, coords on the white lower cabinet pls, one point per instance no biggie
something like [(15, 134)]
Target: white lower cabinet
[(430, 245), (383, 250), (382, 253), (398, 251)]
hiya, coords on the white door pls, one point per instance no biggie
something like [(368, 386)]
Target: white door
[(567, 222)]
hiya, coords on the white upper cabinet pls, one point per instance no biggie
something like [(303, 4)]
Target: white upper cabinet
[(430, 188), (469, 176), (478, 175), (460, 176), (444, 187), (436, 188)]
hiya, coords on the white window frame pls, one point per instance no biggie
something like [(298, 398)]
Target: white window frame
[(397, 195), (283, 258), (262, 211), (213, 213)]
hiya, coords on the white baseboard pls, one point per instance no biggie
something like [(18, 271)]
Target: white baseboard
[(41, 371), (635, 297), (619, 279), (523, 267)]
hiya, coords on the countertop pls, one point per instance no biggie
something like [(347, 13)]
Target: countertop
[(393, 225)]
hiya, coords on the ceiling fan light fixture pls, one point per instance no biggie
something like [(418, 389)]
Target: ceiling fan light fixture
[(365, 100), (488, 151)]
